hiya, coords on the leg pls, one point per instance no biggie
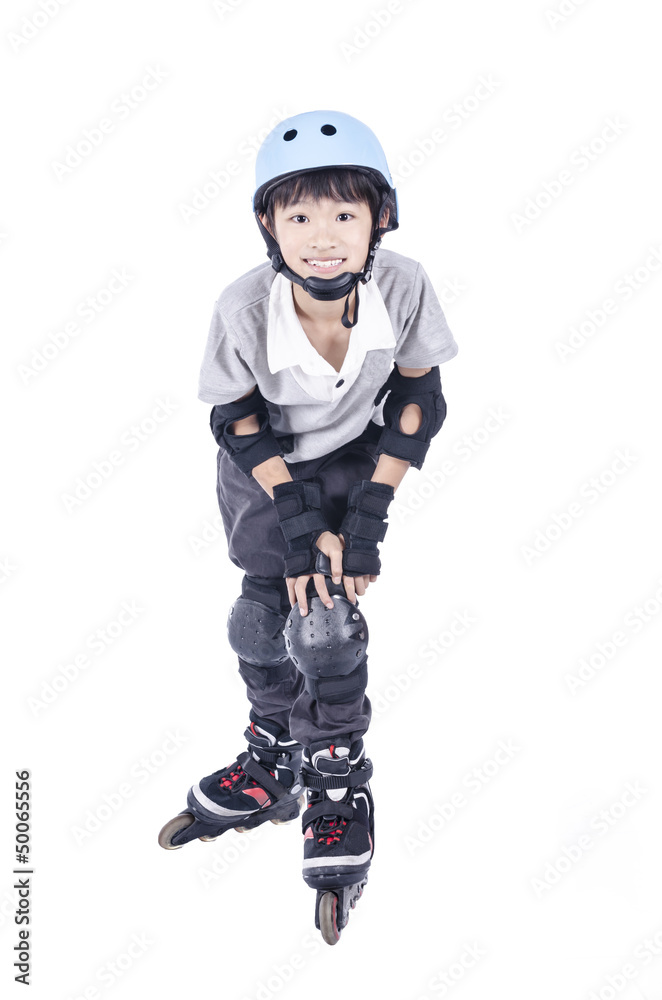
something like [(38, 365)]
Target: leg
[(329, 649), (255, 633)]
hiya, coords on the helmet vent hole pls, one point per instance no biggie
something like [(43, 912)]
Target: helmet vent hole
[(328, 130), (291, 134)]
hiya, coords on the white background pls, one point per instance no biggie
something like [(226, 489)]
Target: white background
[(501, 527)]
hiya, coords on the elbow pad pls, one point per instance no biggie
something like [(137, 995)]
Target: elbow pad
[(245, 450), (426, 392)]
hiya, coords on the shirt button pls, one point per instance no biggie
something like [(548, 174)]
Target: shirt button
[(341, 382)]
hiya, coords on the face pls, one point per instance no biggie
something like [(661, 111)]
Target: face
[(324, 237)]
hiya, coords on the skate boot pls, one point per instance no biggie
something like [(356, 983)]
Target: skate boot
[(338, 829), (264, 783)]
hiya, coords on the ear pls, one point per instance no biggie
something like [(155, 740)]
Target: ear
[(263, 220), (383, 222)]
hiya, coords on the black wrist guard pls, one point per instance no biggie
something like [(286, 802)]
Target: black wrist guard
[(299, 508), (426, 392), (245, 450), (363, 526)]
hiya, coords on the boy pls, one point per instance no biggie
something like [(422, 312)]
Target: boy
[(316, 430)]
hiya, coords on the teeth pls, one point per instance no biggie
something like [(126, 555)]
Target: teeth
[(325, 263)]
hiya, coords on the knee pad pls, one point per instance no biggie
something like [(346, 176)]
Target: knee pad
[(329, 647), (255, 627)]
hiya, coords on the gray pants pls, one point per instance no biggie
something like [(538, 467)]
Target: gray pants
[(257, 546)]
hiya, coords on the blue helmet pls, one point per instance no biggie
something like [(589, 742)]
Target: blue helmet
[(318, 140)]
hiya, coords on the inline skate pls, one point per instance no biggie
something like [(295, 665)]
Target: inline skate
[(264, 783)]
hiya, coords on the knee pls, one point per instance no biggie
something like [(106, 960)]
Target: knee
[(255, 632), (329, 647)]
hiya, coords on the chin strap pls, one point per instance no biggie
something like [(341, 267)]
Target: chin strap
[(327, 289)]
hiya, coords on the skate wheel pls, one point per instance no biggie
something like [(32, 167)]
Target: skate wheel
[(328, 917), (206, 838), (172, 828), (238, 829)]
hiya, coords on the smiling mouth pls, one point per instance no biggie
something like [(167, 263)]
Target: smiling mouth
[(328, 263)]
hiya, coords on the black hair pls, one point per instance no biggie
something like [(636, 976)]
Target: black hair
[(339, 184)]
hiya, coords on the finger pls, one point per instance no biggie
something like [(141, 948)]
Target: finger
[(359, 585), (320, 586), (300, 593), (348, 583), (336, 565), (290, 590), (373, 578)]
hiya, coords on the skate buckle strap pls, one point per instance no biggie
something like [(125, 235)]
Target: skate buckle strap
[(257, 771), (328, 808), (351, 780)]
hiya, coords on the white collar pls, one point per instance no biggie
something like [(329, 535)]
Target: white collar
[(289, 347)]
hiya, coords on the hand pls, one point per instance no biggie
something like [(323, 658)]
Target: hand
[(332, 546)]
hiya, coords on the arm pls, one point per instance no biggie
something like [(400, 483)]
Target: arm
[(408, 429), (392, 470), (270, 468)]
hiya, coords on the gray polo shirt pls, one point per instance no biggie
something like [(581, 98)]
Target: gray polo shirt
[(236, 356)]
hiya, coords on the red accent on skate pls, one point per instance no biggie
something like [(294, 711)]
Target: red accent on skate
[(308, 835), (332, 749), (260, 796)]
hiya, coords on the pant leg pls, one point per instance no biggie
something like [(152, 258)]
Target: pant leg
[(256, 545), (313, 719), (270, 691)]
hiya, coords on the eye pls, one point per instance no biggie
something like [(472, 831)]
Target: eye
[(299, 218), (344, 216)]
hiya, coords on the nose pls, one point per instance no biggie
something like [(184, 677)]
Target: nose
[(322, 236)]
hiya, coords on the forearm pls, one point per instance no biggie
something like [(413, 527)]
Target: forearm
[(268, 473), (392, 470)]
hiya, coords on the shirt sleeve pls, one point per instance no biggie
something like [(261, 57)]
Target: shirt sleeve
[(224, 374), (425, 339)]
